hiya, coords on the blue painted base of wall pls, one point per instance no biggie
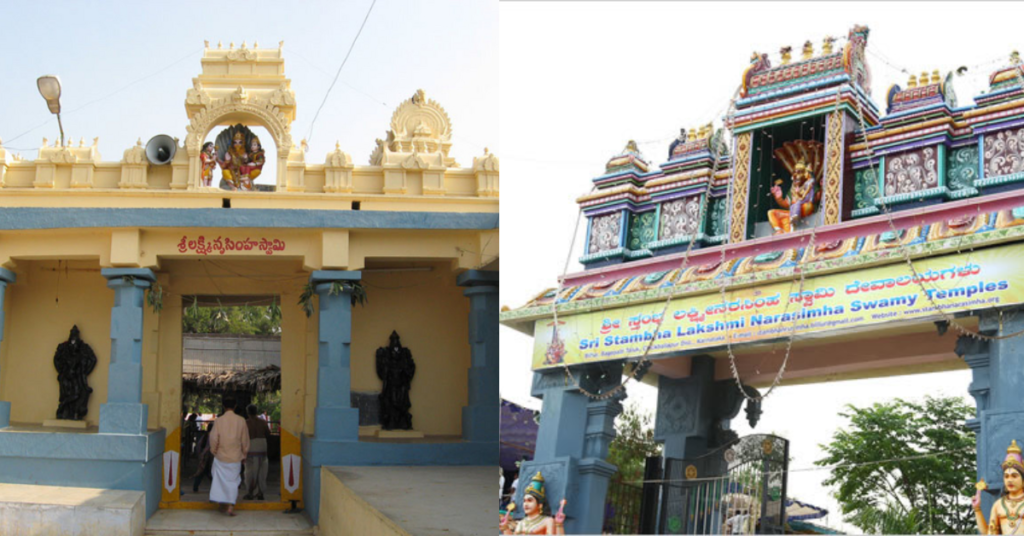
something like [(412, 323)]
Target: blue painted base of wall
[(88, 460), (317, 453)]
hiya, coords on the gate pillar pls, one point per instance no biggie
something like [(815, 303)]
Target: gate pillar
[(572, 443), (694, 413), (996, 386), (6, 276)]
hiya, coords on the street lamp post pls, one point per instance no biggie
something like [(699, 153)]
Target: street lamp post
[(49, 88)]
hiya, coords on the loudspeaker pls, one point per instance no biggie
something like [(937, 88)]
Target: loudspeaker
[(160, 149)]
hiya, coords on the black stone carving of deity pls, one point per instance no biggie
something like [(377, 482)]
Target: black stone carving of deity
[(395, 368), (74, 362)]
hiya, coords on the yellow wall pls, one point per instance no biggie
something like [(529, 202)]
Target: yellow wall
[(40, 313), (431, 315), (426, 308)]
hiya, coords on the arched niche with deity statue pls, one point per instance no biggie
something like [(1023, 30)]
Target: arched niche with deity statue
[(240, 87)]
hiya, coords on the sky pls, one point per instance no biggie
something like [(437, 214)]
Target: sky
[(125, 69), (578, 80)]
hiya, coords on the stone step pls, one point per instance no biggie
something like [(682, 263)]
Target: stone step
[(31, 509), (213, 523)]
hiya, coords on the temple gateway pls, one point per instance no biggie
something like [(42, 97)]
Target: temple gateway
[(876, 240), (122, 248)]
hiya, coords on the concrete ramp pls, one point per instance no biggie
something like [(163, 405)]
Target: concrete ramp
[(29, 510), (214, 523)]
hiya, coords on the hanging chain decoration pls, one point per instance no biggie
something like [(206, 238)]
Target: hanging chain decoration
[(641, 366), (905, 251)]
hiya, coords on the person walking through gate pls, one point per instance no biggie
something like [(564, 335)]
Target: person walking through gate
[(256, 463), (229, 443)]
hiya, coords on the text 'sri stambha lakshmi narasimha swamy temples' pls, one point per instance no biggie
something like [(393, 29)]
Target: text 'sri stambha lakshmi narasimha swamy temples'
[(117, 249), (877, 240)]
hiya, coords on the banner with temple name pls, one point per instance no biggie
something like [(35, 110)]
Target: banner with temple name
[(828, 304)]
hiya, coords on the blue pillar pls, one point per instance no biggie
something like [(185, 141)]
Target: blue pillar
[(572, 443), (996, 386), (694, 413), (335, 418), (124, 412), (6, 277), (480, 417)]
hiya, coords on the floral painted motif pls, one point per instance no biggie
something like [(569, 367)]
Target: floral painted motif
[(865, 188), (604, 233), (641, 230), (1004, 152), (716, 223), (911, 172), (680, 217), (963, 167)]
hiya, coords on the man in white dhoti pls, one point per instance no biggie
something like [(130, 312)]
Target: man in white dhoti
[(229, 443)]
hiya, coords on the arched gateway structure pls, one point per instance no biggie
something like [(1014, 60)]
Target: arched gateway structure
[(86, 242), (814, 214)]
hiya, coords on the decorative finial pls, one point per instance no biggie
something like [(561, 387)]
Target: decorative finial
[(1015, 57), (912, 82), (139, 142), (923, 79), (692, 135), (935, 76), (304, 145), (45, 141), (1, 142), (808, 50), (255, 45), (81, 142), (337, 145), (232, 46), (486, 151), (95, 141), (826, 45), (280, 45), (218, 45), (786, 54), (419, 97), (206, 43), (243, 44)]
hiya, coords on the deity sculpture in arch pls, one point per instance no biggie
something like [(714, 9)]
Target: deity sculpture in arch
[(240, 156), (1007, 515), (208, 158)]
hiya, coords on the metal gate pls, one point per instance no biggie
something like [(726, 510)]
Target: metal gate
[(737, 488)]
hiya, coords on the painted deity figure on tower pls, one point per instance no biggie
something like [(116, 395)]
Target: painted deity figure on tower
[(802, 158), (537, 518), (1007, 515), (395, 368), (74, 362), (800, 203)]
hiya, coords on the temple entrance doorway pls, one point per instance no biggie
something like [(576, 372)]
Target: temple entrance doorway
[(231, 347)]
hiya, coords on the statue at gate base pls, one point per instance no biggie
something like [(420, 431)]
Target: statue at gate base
[(537, 519), (1007, 515), (395, 368), (74, 362)]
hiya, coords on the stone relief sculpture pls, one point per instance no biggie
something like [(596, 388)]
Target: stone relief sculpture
[(396, 369), (74, 362)]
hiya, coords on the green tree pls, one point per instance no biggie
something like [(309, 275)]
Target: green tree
[(633, 443), (906, 495), (242, 319)]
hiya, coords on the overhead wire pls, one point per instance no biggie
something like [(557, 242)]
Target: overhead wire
[(309, 135)]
